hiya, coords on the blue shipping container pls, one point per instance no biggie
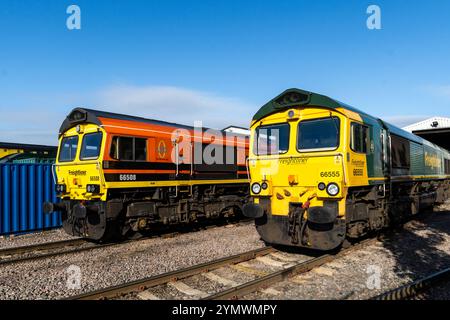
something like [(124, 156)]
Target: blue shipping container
[(23, 190)]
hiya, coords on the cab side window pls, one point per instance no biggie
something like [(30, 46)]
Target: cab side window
[(128, 149), (140, 149), (359, 138), (400, 152)]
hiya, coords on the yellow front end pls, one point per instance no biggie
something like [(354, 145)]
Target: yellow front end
[(80, 182), (298, 178), (79, 163)]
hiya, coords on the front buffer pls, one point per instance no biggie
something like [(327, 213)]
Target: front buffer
[(87, 219), (311, 227)]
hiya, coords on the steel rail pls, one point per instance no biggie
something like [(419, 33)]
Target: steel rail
[(302, 267), (142, 284), (235, 292), (40, 247), (414, 288), (54, 245), (57, 253), (14, 251)]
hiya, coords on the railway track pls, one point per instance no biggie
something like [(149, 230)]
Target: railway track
[(45, 250), (39, 247), (56, 248), (190, 283), (414, 289)]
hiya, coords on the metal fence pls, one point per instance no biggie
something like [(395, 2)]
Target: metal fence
[(23, 190)]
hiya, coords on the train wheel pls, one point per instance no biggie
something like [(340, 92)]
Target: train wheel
[(346, 244)]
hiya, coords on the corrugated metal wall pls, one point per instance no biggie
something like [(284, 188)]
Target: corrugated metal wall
[(23, 189)]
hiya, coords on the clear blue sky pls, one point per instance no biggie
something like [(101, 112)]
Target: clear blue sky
[(217, 61)]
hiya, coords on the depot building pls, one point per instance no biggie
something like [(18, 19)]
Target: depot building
[(436, 130)]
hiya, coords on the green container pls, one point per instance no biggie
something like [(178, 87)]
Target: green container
[(34, 161)]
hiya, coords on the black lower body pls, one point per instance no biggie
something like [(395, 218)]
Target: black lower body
[(131, 211), (373, 208), (321, 230), (368, 209), (96, 220)]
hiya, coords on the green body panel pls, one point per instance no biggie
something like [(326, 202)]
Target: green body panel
[(426, 158), (417, 160), (375, 155), (433, 161)]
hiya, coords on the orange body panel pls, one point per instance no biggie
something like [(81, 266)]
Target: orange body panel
[(160, 145)]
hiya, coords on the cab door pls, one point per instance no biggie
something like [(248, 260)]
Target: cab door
[(385, 157)]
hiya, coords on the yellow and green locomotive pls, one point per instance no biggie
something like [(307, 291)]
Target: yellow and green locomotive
[(323, 172)]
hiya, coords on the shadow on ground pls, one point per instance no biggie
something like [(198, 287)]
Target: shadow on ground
[(422, 247)]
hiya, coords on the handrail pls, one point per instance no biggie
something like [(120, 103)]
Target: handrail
[(54, 173)]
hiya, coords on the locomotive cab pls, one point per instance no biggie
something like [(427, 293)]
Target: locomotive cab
[(78, 167), (79, 180), (297, 170)]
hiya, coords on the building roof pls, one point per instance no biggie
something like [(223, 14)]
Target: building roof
[(234, 128), (27, 147), (433, 123), (237, 130), (435, 129)]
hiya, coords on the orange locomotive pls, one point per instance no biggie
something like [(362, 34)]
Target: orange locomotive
[(117, 174)]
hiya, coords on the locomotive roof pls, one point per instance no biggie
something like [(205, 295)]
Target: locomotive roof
[(296, 97), (84, 115)]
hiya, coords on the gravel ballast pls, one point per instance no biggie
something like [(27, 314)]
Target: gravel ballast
[(419, 249), (103, 267), (34, 238)]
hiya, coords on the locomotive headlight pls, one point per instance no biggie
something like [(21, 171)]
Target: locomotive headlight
[(256, 188), (291, 114), (93, 188), (332, 189), (264, 185)]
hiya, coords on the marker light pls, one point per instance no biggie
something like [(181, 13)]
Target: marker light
[(93, 188), (60, 188)]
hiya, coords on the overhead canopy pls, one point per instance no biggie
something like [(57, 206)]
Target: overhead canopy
[(440, 137), (27, 147)]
